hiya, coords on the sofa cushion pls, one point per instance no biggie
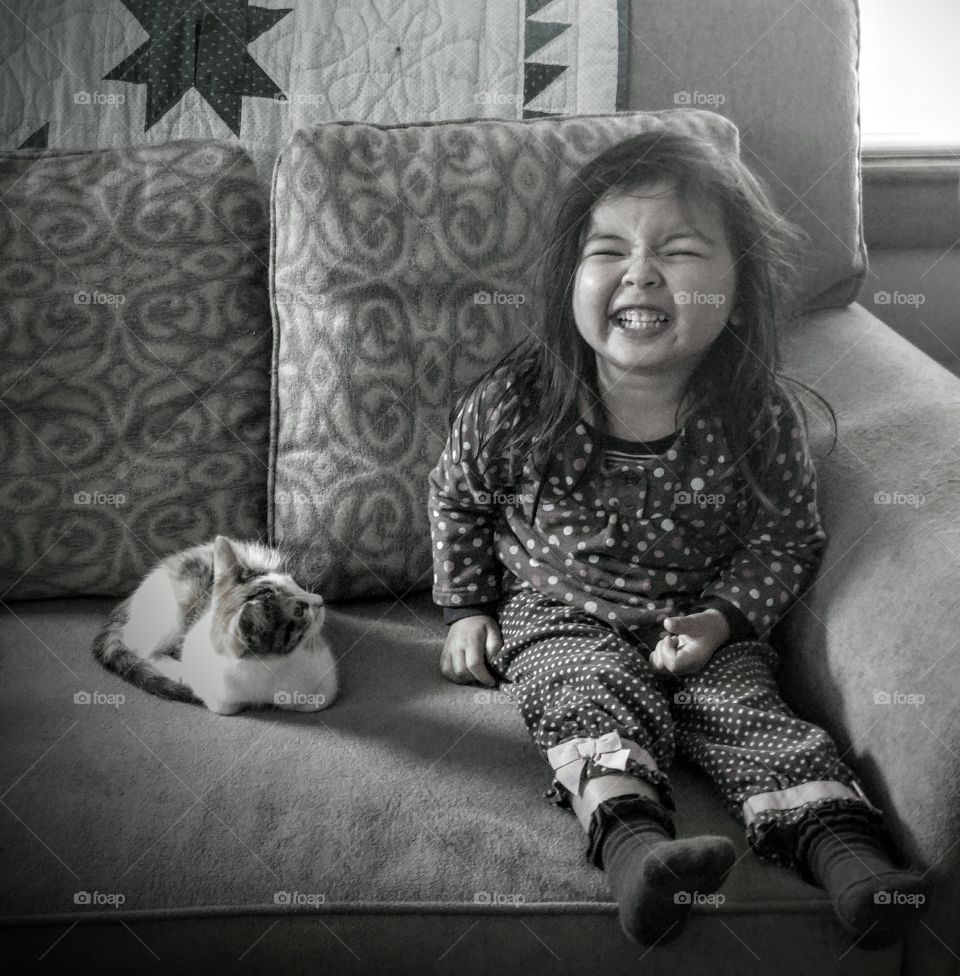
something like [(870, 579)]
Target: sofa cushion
[(401, 269), (409, 796), (136, 344)]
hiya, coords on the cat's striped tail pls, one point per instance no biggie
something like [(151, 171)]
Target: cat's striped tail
[(113, 654)]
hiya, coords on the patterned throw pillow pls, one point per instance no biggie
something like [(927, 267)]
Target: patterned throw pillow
[(134, 379), (402, 268)]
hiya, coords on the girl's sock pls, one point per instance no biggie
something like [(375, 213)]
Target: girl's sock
[(655, 878), (875, 900)]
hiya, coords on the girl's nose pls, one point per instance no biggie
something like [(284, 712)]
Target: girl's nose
[(643, 272)]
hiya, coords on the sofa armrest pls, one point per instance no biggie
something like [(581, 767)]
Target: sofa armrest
[(872, 650)]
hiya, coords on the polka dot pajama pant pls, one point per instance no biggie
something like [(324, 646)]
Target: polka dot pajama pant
[(573, 677)]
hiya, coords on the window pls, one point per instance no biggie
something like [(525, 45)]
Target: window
[(910, 74)]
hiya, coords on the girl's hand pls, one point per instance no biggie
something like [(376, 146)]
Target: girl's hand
[(690, 642), (463, 659)]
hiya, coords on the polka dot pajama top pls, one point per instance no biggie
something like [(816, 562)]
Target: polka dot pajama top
[(580, 595)]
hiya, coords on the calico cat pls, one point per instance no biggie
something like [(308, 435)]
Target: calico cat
[(225, 625)]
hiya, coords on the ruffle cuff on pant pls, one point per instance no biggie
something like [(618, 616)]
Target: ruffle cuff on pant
[(623, 809), (785, 836)]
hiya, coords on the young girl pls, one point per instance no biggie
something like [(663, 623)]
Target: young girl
[(624, 509)]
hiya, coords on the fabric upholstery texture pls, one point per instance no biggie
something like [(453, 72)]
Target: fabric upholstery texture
[(403, 265), (409, 794), (135, 370)]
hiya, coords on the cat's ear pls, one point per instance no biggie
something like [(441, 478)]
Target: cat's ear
[(226, 563)]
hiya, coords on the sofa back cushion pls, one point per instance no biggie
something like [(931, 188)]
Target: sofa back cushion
[(135, 370), (403, 260)]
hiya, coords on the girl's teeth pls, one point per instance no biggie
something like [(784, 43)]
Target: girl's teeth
[(633, 319)]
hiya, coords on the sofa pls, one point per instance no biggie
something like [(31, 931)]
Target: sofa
[(187, 352)]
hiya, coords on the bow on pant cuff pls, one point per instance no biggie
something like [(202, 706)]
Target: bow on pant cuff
[(569, 759)]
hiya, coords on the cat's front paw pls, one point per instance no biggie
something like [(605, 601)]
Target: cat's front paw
[(223, 708)]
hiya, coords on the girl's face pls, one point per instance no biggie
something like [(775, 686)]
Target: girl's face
[(655, 284)]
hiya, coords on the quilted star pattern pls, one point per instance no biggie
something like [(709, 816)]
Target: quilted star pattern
[(202, 46)]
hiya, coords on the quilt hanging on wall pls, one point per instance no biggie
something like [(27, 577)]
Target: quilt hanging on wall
[(97, 73)]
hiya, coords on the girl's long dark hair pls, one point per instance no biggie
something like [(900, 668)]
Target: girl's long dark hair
[(739, 380)]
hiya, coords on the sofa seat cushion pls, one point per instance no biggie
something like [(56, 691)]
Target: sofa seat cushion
[(409, 795)]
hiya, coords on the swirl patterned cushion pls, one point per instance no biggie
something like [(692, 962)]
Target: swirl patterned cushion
[(402, 267), (136, 347)]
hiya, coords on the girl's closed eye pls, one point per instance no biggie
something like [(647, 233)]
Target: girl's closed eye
[(605, 251)]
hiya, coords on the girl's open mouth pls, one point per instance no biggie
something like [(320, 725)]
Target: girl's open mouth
[(641, 320)]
